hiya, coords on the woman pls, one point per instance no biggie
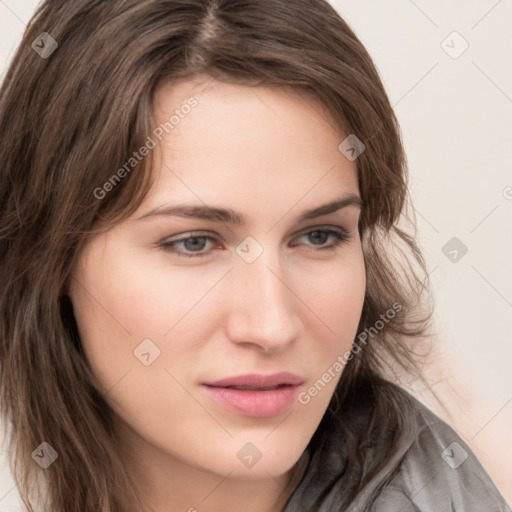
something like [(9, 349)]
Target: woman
[(201, 294)]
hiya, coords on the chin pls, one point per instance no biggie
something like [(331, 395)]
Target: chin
[(254, 464)]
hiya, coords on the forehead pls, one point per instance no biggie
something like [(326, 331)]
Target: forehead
[(278, 143), (240, 103)]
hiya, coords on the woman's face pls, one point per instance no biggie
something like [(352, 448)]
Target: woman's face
[(169, 303)]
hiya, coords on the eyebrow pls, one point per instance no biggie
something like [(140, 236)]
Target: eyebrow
[(228, 216)]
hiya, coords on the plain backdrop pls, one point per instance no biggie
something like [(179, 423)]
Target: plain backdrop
[(447, 68)]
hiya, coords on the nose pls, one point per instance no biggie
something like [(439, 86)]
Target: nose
[(262, 306)]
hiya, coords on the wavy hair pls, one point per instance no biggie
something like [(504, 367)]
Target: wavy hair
[(71, 118)]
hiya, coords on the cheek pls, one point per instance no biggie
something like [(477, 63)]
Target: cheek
[(125, 295), (120, 301), (335, 295)]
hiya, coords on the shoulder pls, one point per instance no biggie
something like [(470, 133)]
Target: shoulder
[(422, 466), (438, 472)]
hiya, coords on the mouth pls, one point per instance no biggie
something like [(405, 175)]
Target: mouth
[(253, 388), (258, 381), (256, 396)]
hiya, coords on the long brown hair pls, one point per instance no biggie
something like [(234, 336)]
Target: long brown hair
[(70, 118)]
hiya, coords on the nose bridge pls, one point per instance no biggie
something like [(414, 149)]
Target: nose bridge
[(262, 305)]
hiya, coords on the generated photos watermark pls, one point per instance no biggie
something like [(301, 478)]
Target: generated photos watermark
[(144, 150), (337, 366)]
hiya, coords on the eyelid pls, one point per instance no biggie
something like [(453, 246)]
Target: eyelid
[(316, 227)]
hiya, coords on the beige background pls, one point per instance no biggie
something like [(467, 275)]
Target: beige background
[(456, 117)]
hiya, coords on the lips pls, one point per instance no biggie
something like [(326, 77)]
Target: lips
[(254, 395), (253, 388), (258, 381)]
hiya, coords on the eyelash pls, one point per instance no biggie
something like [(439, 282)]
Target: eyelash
[(340, 237)]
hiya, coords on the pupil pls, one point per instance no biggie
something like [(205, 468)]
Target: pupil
[(315, 235), (192, 244)]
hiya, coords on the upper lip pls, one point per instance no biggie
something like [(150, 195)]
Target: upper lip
[(255, 380)]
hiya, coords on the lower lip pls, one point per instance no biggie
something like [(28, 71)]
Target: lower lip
[(256, 404)]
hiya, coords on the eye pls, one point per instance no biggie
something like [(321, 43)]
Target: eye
[(195, 245), (191, 246), (320, 236)]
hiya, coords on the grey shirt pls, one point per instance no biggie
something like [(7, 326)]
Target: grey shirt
[(433, 470)]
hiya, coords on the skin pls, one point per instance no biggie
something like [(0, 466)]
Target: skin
[(269, 153)]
